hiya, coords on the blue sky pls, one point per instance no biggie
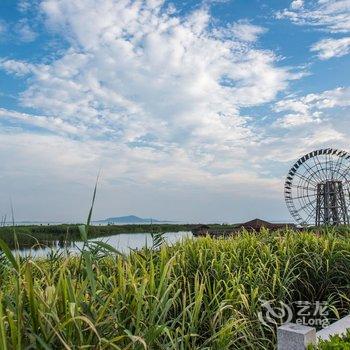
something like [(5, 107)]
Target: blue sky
[(192, 110)]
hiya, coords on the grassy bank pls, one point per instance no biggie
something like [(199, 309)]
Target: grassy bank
[(201, 294), (30, 235)]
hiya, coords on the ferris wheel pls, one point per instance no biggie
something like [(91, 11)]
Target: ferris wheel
[(317, 188)]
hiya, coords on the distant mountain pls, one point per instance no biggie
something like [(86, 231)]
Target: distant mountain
[(129, 219)]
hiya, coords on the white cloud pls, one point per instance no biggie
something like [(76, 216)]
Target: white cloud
[(329, 15), (25, 5), (60, 158), (328, 48), (310, 108), (153, 98), (54, 124), (50, 177), (24, 32), (332, 15), (296, 120), (339, 97), (242, 30), (140, 76), (16, 67), (297, 141), (297, 4)]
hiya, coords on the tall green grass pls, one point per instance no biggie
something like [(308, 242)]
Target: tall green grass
[(199, 294)]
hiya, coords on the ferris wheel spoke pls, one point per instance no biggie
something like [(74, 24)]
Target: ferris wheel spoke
[(303, 196), (307, 204), (309, 211), (347, 169), (310, 216), (306, 196), (310, 171), (344, 171), (326, 165), (318, 164), (303, 188), (333, 169), (305, 179), (339, 163), (330, 163)]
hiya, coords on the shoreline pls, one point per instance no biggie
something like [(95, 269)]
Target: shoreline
[(29, 235)]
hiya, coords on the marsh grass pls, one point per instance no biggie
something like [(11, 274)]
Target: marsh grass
[(199, 294)]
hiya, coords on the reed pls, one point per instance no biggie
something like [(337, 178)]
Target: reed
[(203, 293)]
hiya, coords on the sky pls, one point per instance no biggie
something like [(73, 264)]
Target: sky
[(191, 111)]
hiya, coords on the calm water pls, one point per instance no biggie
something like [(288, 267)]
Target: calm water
[(124, 242)]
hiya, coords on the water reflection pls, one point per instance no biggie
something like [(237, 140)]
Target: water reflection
[(124, 242)]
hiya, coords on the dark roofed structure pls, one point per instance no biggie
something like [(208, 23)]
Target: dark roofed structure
[(258, 224), (252, 225)]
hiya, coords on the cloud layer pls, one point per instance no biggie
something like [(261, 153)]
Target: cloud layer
[(332, 16), (164, 103), (328, 48), (310, 108), (140, 76)]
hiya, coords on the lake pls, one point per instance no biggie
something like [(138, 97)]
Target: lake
[(124, 242)]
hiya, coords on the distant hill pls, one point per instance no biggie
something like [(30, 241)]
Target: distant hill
[(129, 219)]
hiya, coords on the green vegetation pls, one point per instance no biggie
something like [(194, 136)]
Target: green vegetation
[(203, 293), (30, 235), (335, 343)]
